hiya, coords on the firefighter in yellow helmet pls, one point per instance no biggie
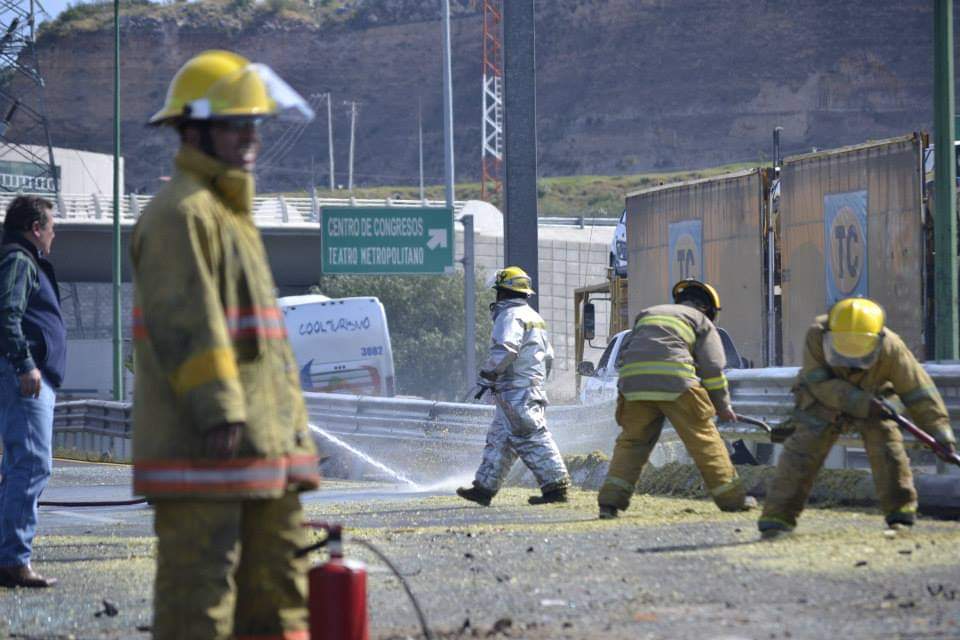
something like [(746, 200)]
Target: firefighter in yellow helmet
[(849, 359), (515, 371), (671, 366), (221, 444)]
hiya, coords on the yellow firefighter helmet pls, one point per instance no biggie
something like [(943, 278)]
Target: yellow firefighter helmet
[(513, 279), (220, 84), (855, 330), (708, 295)]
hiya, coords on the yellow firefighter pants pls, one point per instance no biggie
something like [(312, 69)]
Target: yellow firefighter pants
[(804, 453), (225, 569), (641, 422)]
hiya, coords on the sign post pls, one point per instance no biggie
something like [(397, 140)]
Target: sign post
[(387, 240)]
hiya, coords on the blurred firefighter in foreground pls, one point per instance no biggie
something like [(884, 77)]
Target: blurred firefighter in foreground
[(520, 359), (672, 366), (221, 442), (850, 359)]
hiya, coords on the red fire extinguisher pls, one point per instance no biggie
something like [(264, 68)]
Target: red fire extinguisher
[(338, 594)]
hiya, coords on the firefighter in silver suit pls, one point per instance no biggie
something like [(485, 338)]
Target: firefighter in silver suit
[(515, 371)]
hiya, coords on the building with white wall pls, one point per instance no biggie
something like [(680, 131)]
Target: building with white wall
[(79, 171)]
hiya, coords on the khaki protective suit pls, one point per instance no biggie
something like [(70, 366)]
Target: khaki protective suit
[(210, 348), (672, 367), (834, 400), (520, 356)]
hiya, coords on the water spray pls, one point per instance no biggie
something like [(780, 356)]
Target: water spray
[(399, 477)]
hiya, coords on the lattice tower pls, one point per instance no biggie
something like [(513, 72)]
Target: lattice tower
[(491, 183), (22, 110)]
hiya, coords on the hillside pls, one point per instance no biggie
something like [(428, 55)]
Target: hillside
[(624, 86)]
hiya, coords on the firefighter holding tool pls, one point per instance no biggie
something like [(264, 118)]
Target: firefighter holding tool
[(672, 367), (852, 367)]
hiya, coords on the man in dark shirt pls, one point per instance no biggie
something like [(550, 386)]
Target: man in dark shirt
[(33, 348)]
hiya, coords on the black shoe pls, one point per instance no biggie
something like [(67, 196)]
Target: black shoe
[(477, 494), (608, 512), (24, 576), (550, 495)]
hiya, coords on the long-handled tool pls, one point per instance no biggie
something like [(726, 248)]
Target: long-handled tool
[(942, 452), (755, 422)]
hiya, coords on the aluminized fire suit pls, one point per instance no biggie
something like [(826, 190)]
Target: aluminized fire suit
[(834, 400), (520, 357)]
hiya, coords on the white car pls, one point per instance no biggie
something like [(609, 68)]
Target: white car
[(599, 384), (618, 247)]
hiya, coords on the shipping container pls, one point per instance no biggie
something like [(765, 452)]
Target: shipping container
[(710, 229), (864, 204)]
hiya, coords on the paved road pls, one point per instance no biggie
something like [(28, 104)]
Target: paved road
[(671, 568)]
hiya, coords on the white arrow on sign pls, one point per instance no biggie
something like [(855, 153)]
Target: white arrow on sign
[(438, 238)]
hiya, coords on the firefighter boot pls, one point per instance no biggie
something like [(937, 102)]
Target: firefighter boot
[(557, 494), (608, 512), (476, 493)]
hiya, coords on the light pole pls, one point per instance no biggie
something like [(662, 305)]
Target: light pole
[(944, 220), (117, 290)]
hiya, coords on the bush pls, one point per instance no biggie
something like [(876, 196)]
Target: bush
[(425, 316)]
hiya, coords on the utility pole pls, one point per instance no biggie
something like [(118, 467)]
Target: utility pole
[(448, 173), (520, 129), (420, 138), (353, 128), (333, 184), (945, 220), (117, 286), (469, 278)]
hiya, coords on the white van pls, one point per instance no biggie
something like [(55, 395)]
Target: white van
[(341, 345)]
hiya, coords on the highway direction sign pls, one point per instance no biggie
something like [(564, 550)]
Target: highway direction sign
[(386, 240)]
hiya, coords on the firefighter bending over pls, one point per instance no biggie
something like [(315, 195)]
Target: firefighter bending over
[(849, 359), (672, 367), (519, 362), (220, 443)]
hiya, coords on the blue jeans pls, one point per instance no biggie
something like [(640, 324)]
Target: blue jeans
[(26, 429)]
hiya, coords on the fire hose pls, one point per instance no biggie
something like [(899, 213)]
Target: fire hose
[(96, 503)]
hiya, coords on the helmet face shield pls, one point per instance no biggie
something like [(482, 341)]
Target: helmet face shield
[(255, 91), (290, 105), (851, 350)]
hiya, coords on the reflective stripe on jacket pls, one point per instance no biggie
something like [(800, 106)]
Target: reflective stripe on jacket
[(824, 394), (210, 346), (672, 348)]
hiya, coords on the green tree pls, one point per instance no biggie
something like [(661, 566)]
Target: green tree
[(425, 317)]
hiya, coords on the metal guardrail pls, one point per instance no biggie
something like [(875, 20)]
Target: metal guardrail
[(577, 221), (93, 430), (416, 435)]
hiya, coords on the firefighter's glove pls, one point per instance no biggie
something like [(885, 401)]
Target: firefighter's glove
[(781, 432), (221, 442), (877, 409)]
